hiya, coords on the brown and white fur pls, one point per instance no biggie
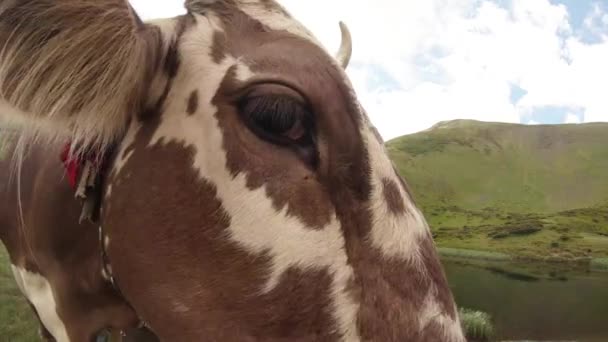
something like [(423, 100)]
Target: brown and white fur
[(250, 198)]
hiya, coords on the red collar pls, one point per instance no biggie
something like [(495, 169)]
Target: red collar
[(73, 164)]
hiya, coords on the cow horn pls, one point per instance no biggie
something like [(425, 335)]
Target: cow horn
[(346, 46)]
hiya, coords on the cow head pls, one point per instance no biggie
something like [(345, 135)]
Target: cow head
[(250, 197)]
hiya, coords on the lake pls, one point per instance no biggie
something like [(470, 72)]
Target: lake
[(551, 306)]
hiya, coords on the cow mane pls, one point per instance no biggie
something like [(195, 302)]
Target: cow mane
[(80, 80)]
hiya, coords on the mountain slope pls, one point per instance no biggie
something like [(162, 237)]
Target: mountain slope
[(515, 167), (493, 179)]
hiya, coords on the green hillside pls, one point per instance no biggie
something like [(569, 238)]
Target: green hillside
[(534, 191)]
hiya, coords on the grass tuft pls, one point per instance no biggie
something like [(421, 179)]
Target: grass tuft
[(477, 325)]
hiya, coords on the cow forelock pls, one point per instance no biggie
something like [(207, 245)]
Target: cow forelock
[(245, 228)]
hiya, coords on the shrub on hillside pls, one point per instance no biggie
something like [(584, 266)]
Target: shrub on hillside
[(524, 227)]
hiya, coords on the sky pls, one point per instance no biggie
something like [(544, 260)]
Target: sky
[(418, 62)]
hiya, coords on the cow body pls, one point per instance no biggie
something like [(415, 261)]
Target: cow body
[(56, 261)]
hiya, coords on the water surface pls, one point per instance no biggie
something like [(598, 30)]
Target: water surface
[(568, 306)]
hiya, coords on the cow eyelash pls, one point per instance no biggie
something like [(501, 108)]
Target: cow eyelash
[(278, 118)]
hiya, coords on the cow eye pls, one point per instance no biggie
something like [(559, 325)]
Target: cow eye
[(277, 115)]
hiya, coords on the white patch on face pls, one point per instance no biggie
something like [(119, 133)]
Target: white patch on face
[(395, 235), (106, 242), (121, 158), (39, 292), (255, 224), (431, 312), (276, 20)]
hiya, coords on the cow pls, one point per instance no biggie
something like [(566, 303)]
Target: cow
[(210, 177)]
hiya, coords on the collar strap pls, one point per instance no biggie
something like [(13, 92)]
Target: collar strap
[(84, 173)]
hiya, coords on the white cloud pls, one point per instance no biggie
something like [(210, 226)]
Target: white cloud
[(572, 119), (484, 49), (451, 59)]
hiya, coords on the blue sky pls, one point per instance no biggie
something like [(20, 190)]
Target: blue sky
[(578, 12), (419, 62)]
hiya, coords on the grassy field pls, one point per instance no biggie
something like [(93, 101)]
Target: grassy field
[(532, 192), (573, 235), (516, 168), (17, 321)]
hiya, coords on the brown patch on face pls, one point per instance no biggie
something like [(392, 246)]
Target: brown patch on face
[(393, 197), (393, 291), (394, 294), (172, 61), (192, 103), (169, 231), (434, 269), (218, 47), (404, 185)]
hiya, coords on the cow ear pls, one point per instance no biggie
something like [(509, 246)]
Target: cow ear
[(75, 65)]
